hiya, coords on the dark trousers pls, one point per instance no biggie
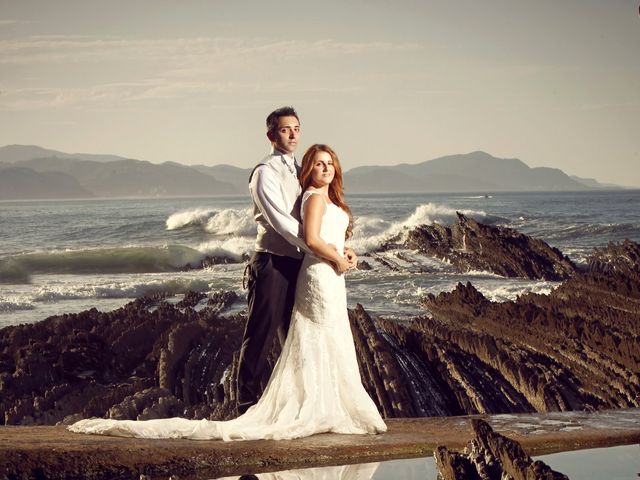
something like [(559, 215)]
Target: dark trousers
[(272, 287)]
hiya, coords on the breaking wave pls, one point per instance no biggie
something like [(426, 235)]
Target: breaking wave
[(168, 258), (229, 221), (370, 233)]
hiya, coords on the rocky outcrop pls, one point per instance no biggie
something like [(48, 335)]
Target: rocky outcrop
[(145, 360), (573, 349), (471, 245), (491, 456)]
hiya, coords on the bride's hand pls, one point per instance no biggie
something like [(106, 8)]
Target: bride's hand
[(342, 265), (351, 256)]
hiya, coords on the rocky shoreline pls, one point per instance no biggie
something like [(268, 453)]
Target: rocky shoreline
[(573, 349)]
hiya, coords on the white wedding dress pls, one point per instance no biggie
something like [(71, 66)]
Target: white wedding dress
[(315, 386)]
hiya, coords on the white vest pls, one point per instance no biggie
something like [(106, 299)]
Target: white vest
[(288, 198)]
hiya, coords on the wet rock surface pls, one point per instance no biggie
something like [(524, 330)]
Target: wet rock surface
[(471, 245), (56, 453), (491, 456)]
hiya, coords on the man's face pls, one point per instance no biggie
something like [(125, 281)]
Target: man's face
[(285, 137)]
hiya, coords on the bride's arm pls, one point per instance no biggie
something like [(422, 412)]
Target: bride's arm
[(314, 209)]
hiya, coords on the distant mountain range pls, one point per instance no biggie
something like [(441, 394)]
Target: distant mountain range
[(34, 172), (110, 176), (16, 153), (471, 172)]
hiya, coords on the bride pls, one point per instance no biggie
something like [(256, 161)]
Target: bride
[(315, 386)]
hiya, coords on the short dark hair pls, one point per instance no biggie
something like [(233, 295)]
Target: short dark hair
[(272, 119)]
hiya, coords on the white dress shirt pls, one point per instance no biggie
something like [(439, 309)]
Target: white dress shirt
[(275, 191)]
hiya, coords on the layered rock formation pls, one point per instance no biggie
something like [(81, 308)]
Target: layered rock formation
[(471, 245), (145, 360), (491, 456), (576, 348)]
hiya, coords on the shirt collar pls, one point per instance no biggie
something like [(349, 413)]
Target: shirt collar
[(290, 159)]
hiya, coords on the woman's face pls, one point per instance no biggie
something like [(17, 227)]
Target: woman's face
[(323, 170)]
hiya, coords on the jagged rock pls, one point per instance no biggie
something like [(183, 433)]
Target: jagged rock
[(622, 258), (363, 265), (146, 405), (379, 367), (191, 299), (471, 245), (573, 349), (219, 301), (210, 261), (491, 456), (90, 362), (454, 466), (394, 267)]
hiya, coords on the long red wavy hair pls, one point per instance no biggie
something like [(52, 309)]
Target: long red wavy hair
[(336, 190)]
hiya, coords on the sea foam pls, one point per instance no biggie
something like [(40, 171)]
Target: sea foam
[(232, 221), (13, 304), (126, 289)]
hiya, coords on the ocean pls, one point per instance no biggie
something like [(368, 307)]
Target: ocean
[(65, 256)]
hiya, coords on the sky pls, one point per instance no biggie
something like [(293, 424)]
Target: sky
[(555, 83)]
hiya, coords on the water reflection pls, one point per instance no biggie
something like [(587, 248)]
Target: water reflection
[(612, 463), (362, 471), (405, 469)]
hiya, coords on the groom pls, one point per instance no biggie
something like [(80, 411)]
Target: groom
[(273, 269)]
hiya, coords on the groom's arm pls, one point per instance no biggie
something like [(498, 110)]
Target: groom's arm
[(266, 192)]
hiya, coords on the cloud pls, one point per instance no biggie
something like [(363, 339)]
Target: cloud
[(123, 94), (196, 69), (13, 21), (106, 95), (179, 51)]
